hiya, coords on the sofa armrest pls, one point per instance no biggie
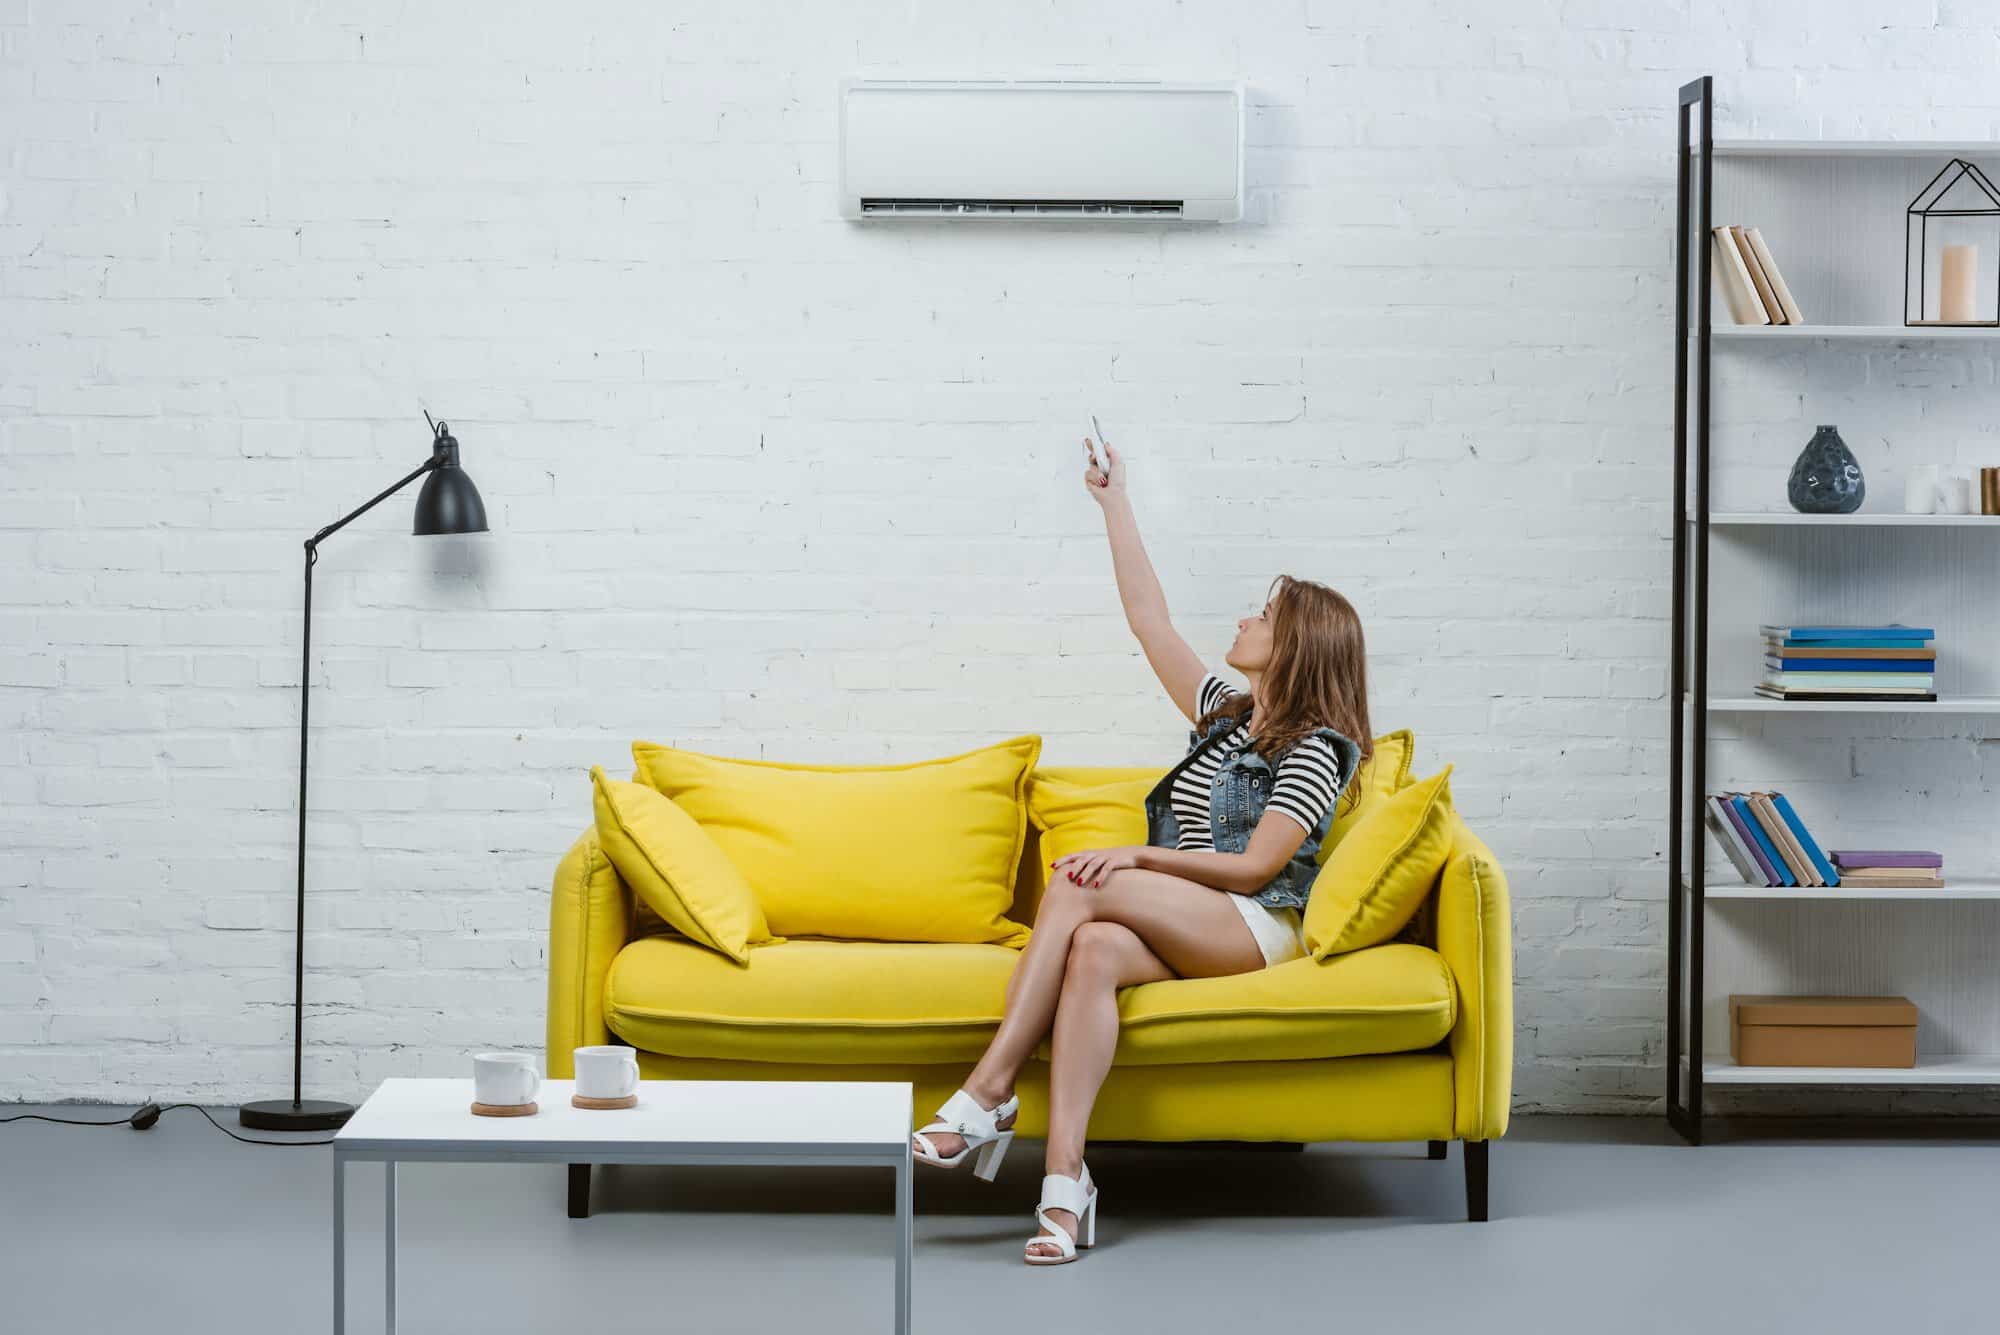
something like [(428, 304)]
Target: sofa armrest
[(1475, 936), (590, 916)]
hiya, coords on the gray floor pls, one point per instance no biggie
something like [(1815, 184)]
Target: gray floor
[(1600, 1225)]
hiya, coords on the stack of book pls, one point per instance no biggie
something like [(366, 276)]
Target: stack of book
[(1890, 868), (1767, 841), (1849, 663), (1752, 287)]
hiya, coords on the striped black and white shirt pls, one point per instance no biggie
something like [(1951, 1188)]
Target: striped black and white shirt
[(1307, 781)]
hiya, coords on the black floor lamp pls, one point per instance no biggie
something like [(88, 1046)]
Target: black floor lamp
[(448, 503)]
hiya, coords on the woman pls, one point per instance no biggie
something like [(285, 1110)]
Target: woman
[(1219, 886)]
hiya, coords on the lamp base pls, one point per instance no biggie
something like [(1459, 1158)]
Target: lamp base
[(285, 1115)]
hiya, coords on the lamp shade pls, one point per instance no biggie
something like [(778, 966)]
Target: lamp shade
[(448, 503)]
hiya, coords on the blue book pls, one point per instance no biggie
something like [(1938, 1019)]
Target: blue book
[(1770, 850), (1789, 643), (1819, 861), (1849, 664), (1845, 634)]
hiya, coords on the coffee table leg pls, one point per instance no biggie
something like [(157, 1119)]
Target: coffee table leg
[(904, 1223), (339, 1246), (389, 1243)]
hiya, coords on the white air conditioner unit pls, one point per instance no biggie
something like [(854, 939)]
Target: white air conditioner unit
[(1048, 149)]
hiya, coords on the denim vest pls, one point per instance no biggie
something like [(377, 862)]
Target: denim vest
[(1236, 802)]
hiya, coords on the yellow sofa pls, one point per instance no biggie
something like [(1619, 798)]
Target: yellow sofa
[(1410, 1040)]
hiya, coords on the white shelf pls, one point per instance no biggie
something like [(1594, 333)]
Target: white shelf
[(1957, 890), (1850, 148), (1757, 704), (1797, 333), (1931, 1069), (1863, 519)]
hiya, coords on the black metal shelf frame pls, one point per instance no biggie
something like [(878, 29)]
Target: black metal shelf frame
[(1687, 701)]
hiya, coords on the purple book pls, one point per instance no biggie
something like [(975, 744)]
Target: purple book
[(1884, 857), (1771, 876)]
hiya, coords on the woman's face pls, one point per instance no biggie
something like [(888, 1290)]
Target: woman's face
[(1251, 651)]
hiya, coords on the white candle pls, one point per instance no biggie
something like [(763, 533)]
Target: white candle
[(1958, 278), (1920, 490)]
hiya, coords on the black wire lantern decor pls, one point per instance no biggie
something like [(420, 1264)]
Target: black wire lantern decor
[(1951, 250)]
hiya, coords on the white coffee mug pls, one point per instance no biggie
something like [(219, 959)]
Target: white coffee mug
[(610, 1071), (505, 1079)]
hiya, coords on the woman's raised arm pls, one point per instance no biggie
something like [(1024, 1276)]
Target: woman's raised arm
[(1177, 665)]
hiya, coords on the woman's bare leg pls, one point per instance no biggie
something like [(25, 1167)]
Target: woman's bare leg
[(1103, 957), (1190, 926), (1030, 1003), (1147, 926)]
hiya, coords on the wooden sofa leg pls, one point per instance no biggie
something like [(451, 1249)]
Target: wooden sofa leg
[(1475, 1180), (1437, 1149), (579, 1191)]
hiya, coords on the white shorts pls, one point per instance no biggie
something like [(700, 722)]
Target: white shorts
[(1280, 932)]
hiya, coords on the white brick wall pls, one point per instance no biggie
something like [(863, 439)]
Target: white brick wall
[(765, 482)]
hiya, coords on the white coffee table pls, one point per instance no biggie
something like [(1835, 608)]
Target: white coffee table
[(677, 1122)]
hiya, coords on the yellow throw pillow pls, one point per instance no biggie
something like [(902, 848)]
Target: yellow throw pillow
[(1076, 808), (677, 869), (1380, 875), (917, 852), (1383, 774)]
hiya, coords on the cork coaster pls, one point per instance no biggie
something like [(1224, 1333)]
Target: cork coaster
[(582, 1101), (503, 1109)]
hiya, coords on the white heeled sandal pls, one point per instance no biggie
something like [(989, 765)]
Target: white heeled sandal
[(962, 1116), (1078, 1195)]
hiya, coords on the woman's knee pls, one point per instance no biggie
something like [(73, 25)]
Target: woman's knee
[(1095, 949), (1065, 898), (1065, 902)]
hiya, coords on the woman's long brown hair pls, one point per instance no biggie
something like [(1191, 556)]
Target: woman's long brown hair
[(1317, 676)]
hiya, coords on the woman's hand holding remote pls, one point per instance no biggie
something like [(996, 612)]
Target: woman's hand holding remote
[(1103, 480)]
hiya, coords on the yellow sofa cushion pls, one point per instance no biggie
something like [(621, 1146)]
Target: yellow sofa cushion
[(811, 999), (1075, 808), (675, 868), (1394, 998), (1384, 774), (857, 1002), (1383, 871), (914, 852)]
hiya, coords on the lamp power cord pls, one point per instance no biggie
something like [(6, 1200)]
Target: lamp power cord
[(143, 1117)]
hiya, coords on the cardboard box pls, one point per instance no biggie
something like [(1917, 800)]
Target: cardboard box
[(1822, 1031)]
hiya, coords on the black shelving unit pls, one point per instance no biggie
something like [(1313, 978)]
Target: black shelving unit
[(1687, 700), (1857, 321)]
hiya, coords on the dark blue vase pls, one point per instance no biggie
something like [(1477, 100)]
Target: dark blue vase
[(1826, 480)]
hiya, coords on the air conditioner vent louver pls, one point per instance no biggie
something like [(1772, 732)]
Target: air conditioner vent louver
[(1023, 208), (1051, 149)]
